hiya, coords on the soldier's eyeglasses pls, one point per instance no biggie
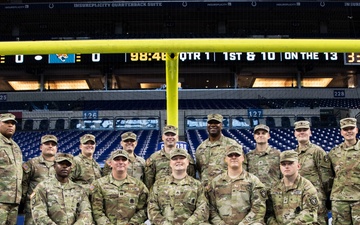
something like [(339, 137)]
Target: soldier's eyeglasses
[(129, 140), (233, 154)]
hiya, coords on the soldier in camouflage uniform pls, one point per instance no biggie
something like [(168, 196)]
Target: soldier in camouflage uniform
[(86, 169), (236, 197), (119, 198), (137, 167), (178, 199), (58, 200), (263, 161), (294, 198), (38, 169), (315, 166), (210, 153), (157, 165), (10, 170), (345, 160)]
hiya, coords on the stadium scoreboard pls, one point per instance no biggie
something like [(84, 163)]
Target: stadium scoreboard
[(345, 58)]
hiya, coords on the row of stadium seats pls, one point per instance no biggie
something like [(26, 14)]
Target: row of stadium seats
[(183, 104), (148, 140)]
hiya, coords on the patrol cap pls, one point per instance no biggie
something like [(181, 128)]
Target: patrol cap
[(348, 122), (128, 136), (234, 149), (49, 137), (177, 152), (87, 137), (170, 129), (262, 127), (216, 117), (118, 153), (7, 117), (59, 157), (303, 124), (289, 155)]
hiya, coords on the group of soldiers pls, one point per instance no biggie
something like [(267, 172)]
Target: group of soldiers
[(222, 186)]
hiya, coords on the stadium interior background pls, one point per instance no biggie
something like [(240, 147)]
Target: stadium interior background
[(69, 94)]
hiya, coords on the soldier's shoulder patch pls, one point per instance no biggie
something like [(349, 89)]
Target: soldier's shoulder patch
[(314, 201), (25, 167), (263, 193), (92, 187)]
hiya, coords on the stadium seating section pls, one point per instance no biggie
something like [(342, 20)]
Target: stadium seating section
[(184, 104), (148, 140)]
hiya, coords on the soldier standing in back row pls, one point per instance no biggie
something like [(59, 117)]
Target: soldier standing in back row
[(11, 171), (38, 169), (294, 198), (314, 166), (236, 197), (157, 165), (178, 199), (210, 153), (345, 160), (86, 169), (58, 200)]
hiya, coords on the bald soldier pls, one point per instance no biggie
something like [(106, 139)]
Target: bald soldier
[(58, 200), (11, 171), (315, 166), (157, 165), (345, 160), (118, 198), (86, 169), (210, 153), (294, 198), (178, 199), (236, 197), (38, 169)]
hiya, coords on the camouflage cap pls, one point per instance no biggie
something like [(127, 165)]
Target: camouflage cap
[(234, 149), (303, 124), (59, 157), (262, 127), (177, 152), (87, 137), (348, 122), (170, 129), (7, 117), (49, 137), (289, 155), (216, 117), (118, 153), (128, 136)]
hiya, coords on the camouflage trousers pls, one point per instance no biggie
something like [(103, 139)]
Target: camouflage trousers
[(345, 212), (8, 213), (322, 213)]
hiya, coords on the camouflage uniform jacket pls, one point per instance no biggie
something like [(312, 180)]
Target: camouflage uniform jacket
[(346, 164), (85, 171), (53, 203), (210, 158), (297, 204), (177, 202), (119, 202), (137, 167), (237, 201), (11, 171), (316, 167), (157, 166), (265, 165), (35, 170)]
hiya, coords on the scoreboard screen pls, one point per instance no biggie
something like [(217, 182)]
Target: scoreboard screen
[(345, 58)]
